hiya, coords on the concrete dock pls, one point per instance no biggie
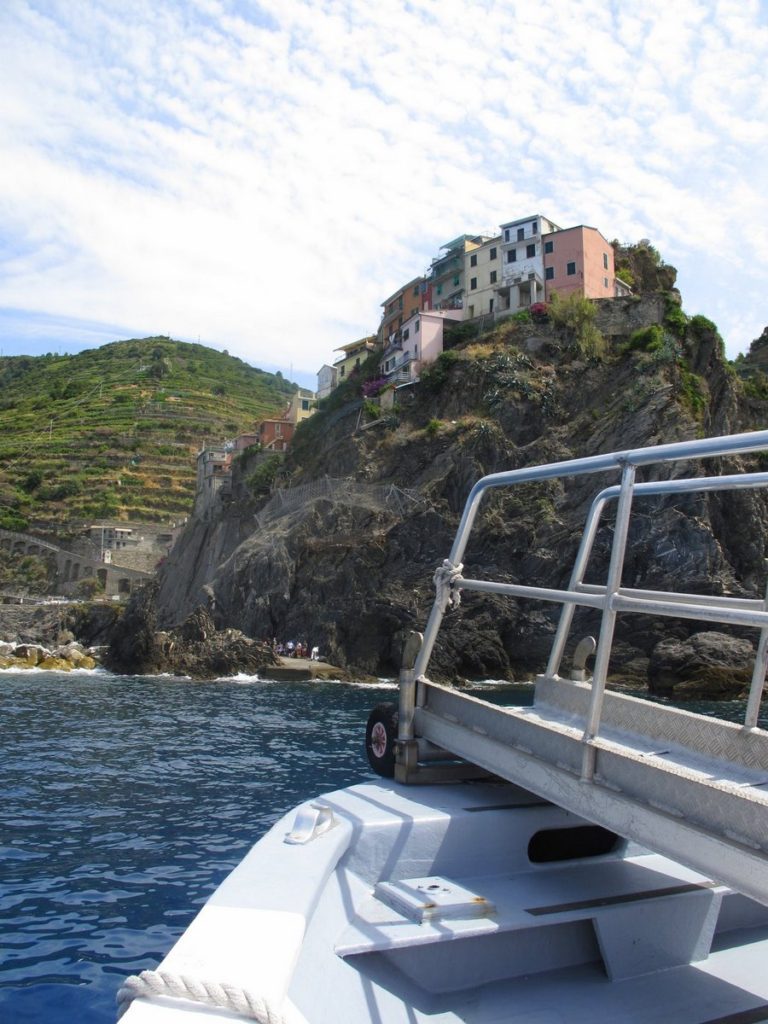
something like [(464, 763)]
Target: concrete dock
[(304, 669)]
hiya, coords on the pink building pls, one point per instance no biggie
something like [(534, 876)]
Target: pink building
[(418, 343), (579, 260)]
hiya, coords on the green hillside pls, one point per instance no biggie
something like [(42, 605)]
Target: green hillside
[(113, 432)]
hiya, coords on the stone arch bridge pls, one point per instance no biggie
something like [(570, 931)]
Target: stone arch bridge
[(72, 567)]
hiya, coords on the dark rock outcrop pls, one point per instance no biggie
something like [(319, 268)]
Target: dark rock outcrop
[(709, 665), (196, 648), (91, 624), (353, 574)]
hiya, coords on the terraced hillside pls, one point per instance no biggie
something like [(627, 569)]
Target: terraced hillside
[(113, 432)]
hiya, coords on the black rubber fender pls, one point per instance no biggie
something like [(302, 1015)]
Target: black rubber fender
[(380, 737)]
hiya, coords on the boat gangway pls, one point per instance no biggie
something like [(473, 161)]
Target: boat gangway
[(692, 787)]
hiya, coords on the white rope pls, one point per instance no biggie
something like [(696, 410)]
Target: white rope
[(446, 579), (211, 993)]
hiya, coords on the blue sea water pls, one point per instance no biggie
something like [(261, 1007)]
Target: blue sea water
[(126, 801)]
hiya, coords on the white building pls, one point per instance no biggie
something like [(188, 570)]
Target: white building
[(522, 261)]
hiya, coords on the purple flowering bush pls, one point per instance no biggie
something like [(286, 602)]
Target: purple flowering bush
[(372, 388)]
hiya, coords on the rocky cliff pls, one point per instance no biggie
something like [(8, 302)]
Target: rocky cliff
[(369, 499)]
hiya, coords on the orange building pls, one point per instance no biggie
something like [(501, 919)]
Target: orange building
[(401, 306), (275, 435), (579, 260)]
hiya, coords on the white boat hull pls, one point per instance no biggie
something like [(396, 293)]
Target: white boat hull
[(343, 927)]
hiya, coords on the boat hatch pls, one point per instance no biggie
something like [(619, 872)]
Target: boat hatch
[(555, 844), (433, 899)]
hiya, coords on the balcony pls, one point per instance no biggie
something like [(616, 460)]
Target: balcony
[(402, 372)]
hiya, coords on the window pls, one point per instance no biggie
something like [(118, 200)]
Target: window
[(512, 256), (506, 234), (549, 273), (416, 327), (492, 253), (534, 227), (605, 282), (439, 289), (416, 290), (530, 250), (490, 306), (605, 261), (406, 334), (520, 234), (473, 260), (549, 247), (493, 277), (471, 311), (456, 281), (472, 284), (305, 404), (570, 269)]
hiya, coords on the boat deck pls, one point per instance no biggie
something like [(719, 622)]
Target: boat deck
[(332, 924)]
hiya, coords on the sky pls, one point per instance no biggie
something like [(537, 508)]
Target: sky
[(259, 177)]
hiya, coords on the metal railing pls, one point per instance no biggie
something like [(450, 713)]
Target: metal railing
[(612, 597)]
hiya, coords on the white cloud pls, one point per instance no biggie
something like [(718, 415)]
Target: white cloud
[(264, 176)]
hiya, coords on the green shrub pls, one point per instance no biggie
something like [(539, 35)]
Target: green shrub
[(522, 316), (435, 376), (260, 481), (432, 427), (693, 392), (61, 490), (32, 481), (457, 333), (699, 325), (646, 339), (576, 314), (27, 573), (89, 588), (701, 329), (248, 451), (756, 385), (10, 520), (676, 320)]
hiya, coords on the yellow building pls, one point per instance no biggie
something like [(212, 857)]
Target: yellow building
[(354, 355), (301, 406), (482, 276)]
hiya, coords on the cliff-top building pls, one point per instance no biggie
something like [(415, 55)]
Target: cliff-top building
[(401, 306), (530, 260)]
